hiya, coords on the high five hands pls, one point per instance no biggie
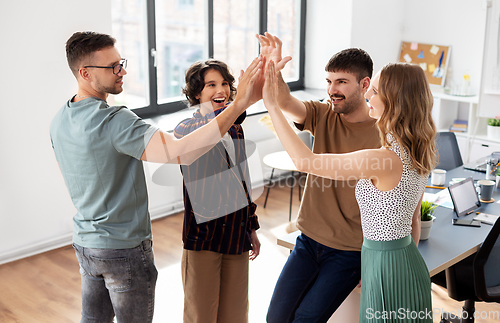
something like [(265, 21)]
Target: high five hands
[(270, 89), (252, 81), (270, 49)]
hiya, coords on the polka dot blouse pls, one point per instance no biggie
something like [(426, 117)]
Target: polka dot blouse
[(387, 215)]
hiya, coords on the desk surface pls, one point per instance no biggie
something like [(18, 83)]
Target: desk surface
[(448, 243)]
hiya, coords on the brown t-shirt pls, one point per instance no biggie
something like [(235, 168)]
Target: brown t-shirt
[(329, 213)]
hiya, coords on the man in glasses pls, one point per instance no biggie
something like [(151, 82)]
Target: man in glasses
[(100, 149)]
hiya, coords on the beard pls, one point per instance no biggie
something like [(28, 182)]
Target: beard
[(115, 89), (348, 104)]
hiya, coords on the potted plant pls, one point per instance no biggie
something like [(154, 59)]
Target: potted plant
[(426, 219), (493, 129)]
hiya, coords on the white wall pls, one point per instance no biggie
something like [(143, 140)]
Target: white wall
[(380, 26), (328, 31), (460, 24), (35, 209), (375, 26)]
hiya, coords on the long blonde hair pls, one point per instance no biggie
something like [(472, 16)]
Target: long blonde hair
[(408, 101)]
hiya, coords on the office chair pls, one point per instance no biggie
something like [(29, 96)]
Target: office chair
[(476, 277), (449, 153), (449, 158)]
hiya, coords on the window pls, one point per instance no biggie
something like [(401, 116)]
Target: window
[(162, 38)]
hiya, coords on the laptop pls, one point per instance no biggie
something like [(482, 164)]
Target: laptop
[(480, 164), (465, 201)]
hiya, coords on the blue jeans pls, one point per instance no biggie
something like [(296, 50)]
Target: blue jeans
[(313, 283), (117, 282)]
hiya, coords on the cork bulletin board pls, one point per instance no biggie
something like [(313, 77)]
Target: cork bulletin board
[(432, 58)]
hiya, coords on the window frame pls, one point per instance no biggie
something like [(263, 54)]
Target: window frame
[(154, 109)]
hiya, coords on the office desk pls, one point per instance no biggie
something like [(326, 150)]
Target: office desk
[(448, 243)]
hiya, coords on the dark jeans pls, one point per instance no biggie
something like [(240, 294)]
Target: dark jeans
[(117, 282), (313, 283)]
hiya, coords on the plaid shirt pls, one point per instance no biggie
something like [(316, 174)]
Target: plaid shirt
[(216, 195)]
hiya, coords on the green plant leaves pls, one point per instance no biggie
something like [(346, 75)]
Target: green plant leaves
[(426, 210)]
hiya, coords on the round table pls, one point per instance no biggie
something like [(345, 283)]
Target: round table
[(282, 161)]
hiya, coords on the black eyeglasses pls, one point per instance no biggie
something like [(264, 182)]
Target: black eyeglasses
[(116, 68)]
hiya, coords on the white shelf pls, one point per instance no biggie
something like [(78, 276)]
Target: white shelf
[(474, 141), (486, 138), (468, 99)]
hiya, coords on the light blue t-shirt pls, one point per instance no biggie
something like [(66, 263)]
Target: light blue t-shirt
[(98, 148)]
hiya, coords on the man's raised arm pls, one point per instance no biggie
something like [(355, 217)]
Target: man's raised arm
[(165, 148), (270, 49)]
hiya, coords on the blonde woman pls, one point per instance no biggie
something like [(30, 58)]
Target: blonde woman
[(395, 282)]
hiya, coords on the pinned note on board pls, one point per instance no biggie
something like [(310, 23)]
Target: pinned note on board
[(433, 59)]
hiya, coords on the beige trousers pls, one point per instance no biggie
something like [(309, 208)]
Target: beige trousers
[(215, 287)]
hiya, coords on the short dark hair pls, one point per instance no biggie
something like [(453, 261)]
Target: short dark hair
[(351, 60), (82, 44), (195, 79)]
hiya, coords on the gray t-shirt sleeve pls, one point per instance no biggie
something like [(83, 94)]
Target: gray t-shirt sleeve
[(130, 134)]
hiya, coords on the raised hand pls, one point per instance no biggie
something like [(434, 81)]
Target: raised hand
[(250, 83), (270, 89), (270, 48)]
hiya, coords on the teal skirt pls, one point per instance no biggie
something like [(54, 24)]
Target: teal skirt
[(395, 282)]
